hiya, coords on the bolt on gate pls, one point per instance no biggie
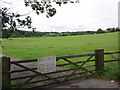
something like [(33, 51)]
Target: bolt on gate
[(24, 74)]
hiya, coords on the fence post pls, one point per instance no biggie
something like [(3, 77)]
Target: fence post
[(5, 72), (99, 60)]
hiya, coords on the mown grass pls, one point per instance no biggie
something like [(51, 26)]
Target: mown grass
[(29, 48)]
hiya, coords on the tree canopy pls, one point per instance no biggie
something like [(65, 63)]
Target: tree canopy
[(45, 6), (11, 20)]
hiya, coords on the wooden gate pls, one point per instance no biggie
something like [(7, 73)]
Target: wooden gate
[(24, 74)]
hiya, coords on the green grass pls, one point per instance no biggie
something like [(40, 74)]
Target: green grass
[(29, 48), (32, 48), (112, 71)]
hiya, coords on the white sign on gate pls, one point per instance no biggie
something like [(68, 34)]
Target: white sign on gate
[(46, 64)]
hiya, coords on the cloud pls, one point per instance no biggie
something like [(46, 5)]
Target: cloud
[(62, 28)]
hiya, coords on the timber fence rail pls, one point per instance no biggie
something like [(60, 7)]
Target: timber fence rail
[(51, 78)]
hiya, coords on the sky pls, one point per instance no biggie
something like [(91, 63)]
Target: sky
[(88, 15)]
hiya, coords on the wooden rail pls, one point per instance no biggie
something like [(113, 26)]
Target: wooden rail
[(112, 60), (74, 56), (111, 52)]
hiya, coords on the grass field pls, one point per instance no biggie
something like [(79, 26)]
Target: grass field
[(31, 48)]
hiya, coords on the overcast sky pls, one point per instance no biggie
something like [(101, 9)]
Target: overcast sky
[(83, 16)]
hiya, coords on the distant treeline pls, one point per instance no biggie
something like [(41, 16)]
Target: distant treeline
[(6, 33)]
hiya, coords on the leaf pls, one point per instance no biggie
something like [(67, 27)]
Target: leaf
[(18, 15), (71, 2), (59, 3), (23, 22), (14, 24), (47, 16), (18, 20), (64, 2), (37, 12)]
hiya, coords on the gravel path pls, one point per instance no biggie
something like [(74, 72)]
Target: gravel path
[(80, 83)]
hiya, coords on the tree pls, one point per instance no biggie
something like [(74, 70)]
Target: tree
[(45, 6), (117, 29), (11, 20), (100, 30)]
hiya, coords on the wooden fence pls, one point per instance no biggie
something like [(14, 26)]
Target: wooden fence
[(33, 78)]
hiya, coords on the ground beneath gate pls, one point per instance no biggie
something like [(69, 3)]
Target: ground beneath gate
[(90, 83)]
